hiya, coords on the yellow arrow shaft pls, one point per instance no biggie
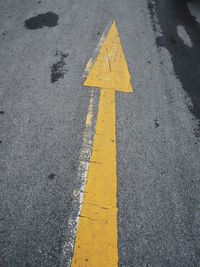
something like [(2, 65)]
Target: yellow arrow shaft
[(96, 240)]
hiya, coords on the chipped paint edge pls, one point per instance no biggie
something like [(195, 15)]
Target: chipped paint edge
[(96, 50), (84, 158)]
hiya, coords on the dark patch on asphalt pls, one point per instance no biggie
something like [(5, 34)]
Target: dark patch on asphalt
[(51, 176), (48, 19), (57, 69), (39, 2), (0, 142), (151, 8), (1, 112), (186, 60), (156, 123), (197, 131)]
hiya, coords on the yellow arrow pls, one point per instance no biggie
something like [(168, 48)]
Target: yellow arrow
[(96, 241)]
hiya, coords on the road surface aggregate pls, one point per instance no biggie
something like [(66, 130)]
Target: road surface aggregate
[(44, 48)]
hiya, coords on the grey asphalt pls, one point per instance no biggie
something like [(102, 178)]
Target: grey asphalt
[(44, 47)]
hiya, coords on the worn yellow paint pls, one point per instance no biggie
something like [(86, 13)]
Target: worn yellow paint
[(96, 241), (110, 69), (88, 121)]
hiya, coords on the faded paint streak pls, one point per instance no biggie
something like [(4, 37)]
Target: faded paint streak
[(82, 174), (96, 241)]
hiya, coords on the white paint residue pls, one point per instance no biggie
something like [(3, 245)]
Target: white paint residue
[(184, 36), (82, 175)]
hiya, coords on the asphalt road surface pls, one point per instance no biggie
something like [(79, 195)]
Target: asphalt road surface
[(44, 48)]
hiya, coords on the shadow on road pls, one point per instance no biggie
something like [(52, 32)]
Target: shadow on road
[(186, 59)]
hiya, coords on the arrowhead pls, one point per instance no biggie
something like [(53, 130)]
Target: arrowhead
[(110, 69)]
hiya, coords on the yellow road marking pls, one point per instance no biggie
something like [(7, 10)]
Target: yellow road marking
[(110, 69), (96, 240)]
